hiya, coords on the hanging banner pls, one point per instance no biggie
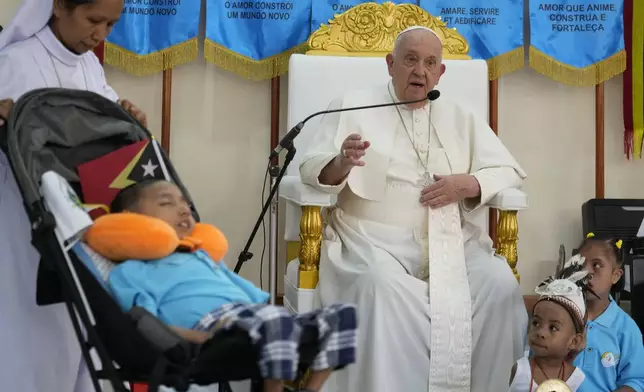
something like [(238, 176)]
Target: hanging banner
[(577, 42), (99, 51), (255, 39), (324, 10), (154, 36), (494, 30), (634, 78)]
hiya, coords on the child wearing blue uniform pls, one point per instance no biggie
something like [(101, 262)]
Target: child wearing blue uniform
[(614, 356), (192, 293)]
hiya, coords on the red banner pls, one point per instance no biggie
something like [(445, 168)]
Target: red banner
[(628, 78), (100, 51), (634, 78), (139, 388)]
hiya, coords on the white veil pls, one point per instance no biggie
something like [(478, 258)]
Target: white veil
[(31, 17)]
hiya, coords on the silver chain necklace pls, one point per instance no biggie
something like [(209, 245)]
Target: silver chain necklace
[(427, 177), (60, 80)]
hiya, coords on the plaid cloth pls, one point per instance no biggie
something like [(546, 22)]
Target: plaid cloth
[(277, 334)]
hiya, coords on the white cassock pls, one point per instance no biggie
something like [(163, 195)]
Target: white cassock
[(379, 241), (39, 350)]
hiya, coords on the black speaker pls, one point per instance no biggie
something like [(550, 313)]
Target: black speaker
[(634, 286)]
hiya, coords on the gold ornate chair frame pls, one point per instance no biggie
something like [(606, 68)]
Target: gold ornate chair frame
[(369, 30)]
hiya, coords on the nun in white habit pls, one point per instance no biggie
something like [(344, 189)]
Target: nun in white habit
[(48, 44)]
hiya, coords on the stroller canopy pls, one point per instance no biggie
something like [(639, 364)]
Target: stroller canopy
[(60, 130)]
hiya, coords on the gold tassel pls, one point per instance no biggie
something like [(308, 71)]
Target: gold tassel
[(143, 65), (506, 63), (579, 77), (246, 67)]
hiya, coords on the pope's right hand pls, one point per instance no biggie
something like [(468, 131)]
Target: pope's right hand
[(352, 150), (5, 108)]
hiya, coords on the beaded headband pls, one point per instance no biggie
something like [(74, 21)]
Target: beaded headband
[(567, 288)]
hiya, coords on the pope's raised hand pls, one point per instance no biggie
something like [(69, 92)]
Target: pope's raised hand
[(352, 150), (5, 108)]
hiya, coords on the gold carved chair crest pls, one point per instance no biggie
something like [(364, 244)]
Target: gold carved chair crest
[(370, 29)]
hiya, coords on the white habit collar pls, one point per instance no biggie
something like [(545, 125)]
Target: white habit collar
[(56, 48)]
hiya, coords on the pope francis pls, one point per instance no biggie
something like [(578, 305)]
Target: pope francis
[(438, 311)]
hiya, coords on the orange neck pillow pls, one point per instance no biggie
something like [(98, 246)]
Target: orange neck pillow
[(128, 236)]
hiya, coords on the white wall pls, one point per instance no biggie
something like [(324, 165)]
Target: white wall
[(551, 130), (220, 142)]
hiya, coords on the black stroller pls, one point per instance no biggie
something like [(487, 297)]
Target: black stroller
[(58, 130)]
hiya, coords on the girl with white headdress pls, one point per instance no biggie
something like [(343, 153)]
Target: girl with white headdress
[(557, 332), (48, 44)]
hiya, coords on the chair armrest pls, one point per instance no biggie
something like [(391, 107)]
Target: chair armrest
[(305, 224), (509, 202), (293, 190), (511, 199)]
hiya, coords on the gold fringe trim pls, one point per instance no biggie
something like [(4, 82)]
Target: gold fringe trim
[(637, 64), (579, 77), (638, 137), (506, 63), (246, 67), (143, 65)]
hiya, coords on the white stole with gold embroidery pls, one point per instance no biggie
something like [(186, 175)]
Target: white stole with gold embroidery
[(450, 303)]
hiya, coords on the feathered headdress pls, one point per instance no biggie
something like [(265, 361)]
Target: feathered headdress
[(568, 287)]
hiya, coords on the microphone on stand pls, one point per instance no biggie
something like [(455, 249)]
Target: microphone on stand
[(287, 140)]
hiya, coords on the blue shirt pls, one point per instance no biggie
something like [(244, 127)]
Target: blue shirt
[(614, 354), (180, 289)]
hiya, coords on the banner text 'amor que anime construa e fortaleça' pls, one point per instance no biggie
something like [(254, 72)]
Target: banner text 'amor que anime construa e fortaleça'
[(577, 42), (154, 35)]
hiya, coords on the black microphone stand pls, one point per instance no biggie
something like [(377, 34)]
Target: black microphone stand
[(245, 254)]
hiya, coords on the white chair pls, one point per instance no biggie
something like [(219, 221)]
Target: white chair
[(337, 63)]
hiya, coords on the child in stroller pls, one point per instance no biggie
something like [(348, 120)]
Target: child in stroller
[(191, 289)]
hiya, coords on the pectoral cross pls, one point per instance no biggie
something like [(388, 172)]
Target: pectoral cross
[(428, 179)]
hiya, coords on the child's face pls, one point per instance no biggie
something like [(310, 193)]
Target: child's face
[(552, 332), (600, 261), (165, 201)]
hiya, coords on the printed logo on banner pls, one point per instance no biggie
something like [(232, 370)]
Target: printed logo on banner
[(255, 39), (493, 30), (577, 43), (153, 36), (324, 10)]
